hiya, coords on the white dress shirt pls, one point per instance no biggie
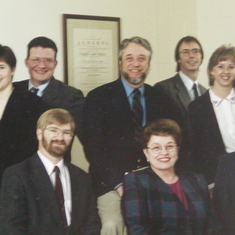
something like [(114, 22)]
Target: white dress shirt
[(40, 88), (65, 181), (188, 82), (225, 115)]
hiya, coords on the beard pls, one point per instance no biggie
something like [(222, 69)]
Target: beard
[(56, 151), (134, 81)]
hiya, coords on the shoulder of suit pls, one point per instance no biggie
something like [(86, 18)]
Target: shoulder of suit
[(63, 86), (167, 82)]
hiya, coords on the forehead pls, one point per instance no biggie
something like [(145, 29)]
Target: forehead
[(42, 52), (156, 139), (135, 50), (189, 45), (66, 126)]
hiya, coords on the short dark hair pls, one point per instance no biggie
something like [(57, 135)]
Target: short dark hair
[(52, 116), (222, 53), (161, 127), (186, 39), (137, 40), (8, 56), (42, 42)]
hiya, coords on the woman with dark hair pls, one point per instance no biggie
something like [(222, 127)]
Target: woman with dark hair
[(18, 115), (212, 115), (159, 200)]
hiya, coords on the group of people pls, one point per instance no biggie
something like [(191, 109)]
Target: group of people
[(156, 154)]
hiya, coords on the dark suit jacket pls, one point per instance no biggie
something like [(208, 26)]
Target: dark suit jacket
[(206, 140), (150, 207), (59, 95), (28, 204), (18, 128), (108, 131), (224, 193)]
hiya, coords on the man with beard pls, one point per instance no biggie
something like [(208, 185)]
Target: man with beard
[(113, 118), (45, 195)]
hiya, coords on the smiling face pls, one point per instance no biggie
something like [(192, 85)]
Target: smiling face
[(6, 74), (41, 64), (163, 160), (134, 65), (224, 74), (54, 140), (189, 62)]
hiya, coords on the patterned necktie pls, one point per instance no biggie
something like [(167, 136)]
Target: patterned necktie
[(34, 90), (195, 92), (59, 195), (137, 108)]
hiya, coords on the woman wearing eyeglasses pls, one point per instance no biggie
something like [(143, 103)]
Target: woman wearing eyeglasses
[(159, 200), (18, 115)]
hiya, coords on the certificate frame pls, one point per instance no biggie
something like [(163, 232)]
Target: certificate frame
[(91, 45)]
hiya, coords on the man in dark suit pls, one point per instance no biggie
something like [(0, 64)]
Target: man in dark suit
[(113, 118), (184, 86), (224, 193), (41, 63), (45, 195)]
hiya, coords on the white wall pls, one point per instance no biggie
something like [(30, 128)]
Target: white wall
[(216, 26)]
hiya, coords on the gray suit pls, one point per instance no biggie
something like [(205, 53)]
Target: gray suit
[(177, 92), (28, 203)]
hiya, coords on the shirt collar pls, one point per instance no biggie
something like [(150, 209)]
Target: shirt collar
[(40, 88), (215, 100), (188, 82), (49, 165), (129, 89)]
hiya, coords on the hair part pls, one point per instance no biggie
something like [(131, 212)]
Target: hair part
[(137, 40), (186, 39), (7, 56), (55, 116), (223, 53), (42, 42), (161, 127)]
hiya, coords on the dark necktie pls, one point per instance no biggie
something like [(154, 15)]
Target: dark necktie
[(34, 90), (195, 92), (137, 108), (59, 195)]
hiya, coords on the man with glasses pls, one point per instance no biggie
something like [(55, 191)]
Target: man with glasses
[(184, 86), (44, 194), (41, 63)]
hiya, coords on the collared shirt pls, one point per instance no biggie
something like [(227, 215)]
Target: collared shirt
[(65, 181), (188, 82), (129, 90), (225, 115), (40, 88)]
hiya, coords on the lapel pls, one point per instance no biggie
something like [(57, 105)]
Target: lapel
[(119, 101), (181, 92), (51, 91), (76, 191), (44, 188)]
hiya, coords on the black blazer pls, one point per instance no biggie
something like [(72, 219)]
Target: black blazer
[(108, 131), (28, 203), (206, 140), (59, 95), (224, 193), (18, 128)]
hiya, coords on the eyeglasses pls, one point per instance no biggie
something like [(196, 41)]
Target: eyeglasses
[(187, 52), (55, 132), (46, 61), (158, 148)]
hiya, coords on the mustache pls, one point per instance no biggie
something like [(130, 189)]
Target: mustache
[(58, 142)]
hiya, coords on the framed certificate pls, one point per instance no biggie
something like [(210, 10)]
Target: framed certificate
[(90, 50)]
